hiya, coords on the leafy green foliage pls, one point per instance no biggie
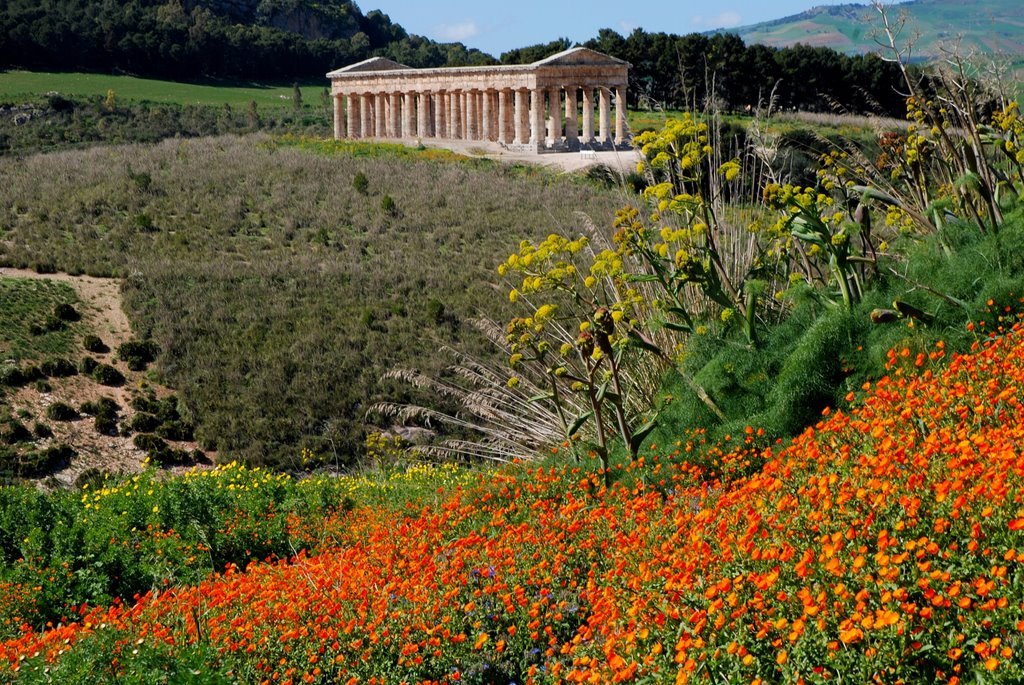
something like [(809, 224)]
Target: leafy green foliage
[(669, 70), (61, 411), (820, 354), (93, 343), (208, 39), (138, 354), (105, 374)]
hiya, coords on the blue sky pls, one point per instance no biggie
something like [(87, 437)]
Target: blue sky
[(498, 26)]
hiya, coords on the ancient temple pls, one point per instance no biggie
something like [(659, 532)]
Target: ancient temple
[(562, 102)]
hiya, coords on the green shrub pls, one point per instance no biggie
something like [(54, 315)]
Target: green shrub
[(138, 354), (175, 430), (61, 411), (104, 406), (360, 183), (58, 368), (87, 365), (105, 374), (387, 204), (36, 463), (92, 477), (154, 446), (143, 422), (13, 431), (105, 425), (41, 430), (93, 343), (66, 312)]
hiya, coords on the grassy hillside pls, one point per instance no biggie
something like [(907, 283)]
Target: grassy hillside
[(278, 290), (986, 27)]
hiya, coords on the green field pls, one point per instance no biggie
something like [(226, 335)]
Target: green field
[(22, 84)]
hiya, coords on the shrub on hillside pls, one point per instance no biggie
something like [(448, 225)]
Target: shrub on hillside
[(360, 183), (105, 425), (142, 422), (105, 374), (93, 343), (66, 312), (104, 406), (13, 431), (138, 354), (58, 367), (87, 365), (61, 411)]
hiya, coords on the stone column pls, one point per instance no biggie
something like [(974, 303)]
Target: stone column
[(454, 120), (395, 123), (464, 113), (555, 115), (503, 117), (438, 104), (572, 131), (620, 115), (487, 116), (604, 136), (353, 115), (339, 121), (588, 116), (472, 128), (380, 109), (423, 115), (520, 117), (537, 117), (365, 112), (408, 130)]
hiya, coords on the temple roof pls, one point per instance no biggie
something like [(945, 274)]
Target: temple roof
[(578, 55), (372, 64)]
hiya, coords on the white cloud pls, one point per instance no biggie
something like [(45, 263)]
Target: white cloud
[(625, 26), (723, 20), (458, 32)]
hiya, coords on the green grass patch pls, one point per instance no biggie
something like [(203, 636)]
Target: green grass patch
[(18, 85), (29, 327)]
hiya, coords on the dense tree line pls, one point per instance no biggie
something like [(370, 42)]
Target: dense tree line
[(683, 71), (192, 39)]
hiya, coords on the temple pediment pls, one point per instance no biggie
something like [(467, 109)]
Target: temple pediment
[(372, 64), (579, 56)]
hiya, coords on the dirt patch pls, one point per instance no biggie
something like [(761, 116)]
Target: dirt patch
[(101, 300), (100, 305)]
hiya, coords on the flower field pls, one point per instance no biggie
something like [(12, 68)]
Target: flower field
[(884, 544)]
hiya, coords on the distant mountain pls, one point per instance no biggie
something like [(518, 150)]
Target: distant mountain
[(982, 26)]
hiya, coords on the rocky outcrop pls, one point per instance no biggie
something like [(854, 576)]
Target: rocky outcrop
[(339, 19)]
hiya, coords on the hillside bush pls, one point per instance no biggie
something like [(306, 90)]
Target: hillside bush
[(61, 411), (138, 354), (58, 367), (13, 431), (105, 374), (93, 343)]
